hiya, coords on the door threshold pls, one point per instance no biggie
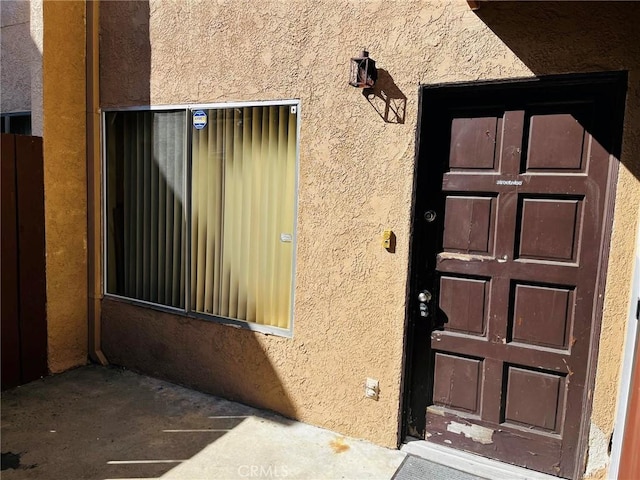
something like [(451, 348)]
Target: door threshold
[(470, 463)]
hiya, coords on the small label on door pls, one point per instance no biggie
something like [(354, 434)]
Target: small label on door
[(286, 237), (508, 182)]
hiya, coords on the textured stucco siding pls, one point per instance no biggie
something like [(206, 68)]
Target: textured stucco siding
[(36, 21), (64, 148), (16, 53), (356, 177), (21, 54)]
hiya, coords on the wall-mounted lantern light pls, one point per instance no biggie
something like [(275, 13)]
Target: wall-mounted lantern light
[(363, 72)]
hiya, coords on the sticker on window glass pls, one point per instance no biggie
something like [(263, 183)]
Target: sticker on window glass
[(199, 119)]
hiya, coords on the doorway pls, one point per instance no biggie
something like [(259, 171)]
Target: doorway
[(512, 215)]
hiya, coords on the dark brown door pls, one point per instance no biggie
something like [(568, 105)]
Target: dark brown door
[(512, 195)]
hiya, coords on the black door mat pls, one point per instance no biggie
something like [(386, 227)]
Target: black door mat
[(416, 468)]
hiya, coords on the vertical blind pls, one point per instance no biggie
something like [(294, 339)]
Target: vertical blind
[(242, 214), (145, 206), (242, 210)]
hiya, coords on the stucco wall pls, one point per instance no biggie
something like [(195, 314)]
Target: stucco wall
[(36, 27), (21, 54), (16, 52), (64, 142), (350, 293)]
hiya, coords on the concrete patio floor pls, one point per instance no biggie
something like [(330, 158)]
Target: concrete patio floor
[(107, 423)]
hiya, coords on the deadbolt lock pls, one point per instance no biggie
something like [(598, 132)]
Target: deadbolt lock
[(430, 216)]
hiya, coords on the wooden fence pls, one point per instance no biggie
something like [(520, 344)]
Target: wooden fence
[(23, 306)]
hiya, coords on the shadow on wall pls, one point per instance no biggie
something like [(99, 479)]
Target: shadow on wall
[(387, 99), (213, 358), (571, 37), (207, 356), (125, 54)]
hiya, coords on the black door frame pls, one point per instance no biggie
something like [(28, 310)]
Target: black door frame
[(429, 97)]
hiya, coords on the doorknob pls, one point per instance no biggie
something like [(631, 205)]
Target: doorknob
[(424, 297)]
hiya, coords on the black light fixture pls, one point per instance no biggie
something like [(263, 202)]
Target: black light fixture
[(363, 72)]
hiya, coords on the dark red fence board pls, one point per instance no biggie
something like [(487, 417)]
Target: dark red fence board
[(33, 320), (9, 260)]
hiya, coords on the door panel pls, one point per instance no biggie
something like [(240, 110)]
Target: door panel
[(469, 224), (518, 179), (463, 301)]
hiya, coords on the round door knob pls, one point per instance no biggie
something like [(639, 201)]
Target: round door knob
[(424, 297)]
